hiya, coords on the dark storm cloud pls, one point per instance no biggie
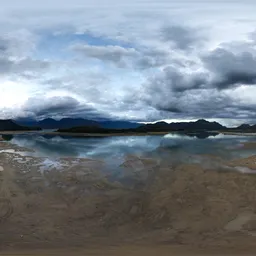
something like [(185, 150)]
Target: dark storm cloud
[(169, 108), (197, 94), (176, 90), (202, 102), (190, 91), (41, 107), (177, 80), (56, 105), (182, 37), (250, 108), (229, 69)]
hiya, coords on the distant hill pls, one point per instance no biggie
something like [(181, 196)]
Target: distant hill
[(92, 129), (118, 124), (9, 125), (81, 125), (63, 123), (198, 126), (244, 128), (67, 123)]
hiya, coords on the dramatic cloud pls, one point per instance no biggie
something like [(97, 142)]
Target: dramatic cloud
[(175, 80), (231, 69), (56, 107), (133, 60)]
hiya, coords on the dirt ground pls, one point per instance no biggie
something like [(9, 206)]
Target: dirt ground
[(158, 210), (134, 250)]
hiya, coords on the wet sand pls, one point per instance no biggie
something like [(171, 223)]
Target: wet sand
[(185, 209)]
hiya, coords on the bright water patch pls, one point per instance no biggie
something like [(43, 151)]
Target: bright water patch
[(174, 147)]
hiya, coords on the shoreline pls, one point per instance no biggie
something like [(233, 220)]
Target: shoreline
[(85, 134), (116, 134), (239, 133), (105, 134)]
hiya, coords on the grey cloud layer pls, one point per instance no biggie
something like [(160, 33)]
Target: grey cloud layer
[(111, 53), (172, 68), (206, 91), (56, 107), (230, 69), (182, 38), (124, 57), (13, 62)]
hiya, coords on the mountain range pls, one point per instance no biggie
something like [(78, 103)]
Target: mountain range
[(244, 128), (66, 123), (10, 125), (197, 126), (80, 125)]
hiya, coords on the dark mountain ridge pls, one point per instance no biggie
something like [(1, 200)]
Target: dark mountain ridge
[(198, 126), (67, 123), (246, 128), (50, 123), (80, 125), (9, 125)]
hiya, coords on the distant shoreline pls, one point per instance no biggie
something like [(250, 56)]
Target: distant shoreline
[(239, 133), (115, 134), (86, 134)]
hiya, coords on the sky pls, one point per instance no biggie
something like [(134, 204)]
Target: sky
[(128, 60)]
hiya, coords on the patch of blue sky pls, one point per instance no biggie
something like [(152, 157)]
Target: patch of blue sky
[(55, 45)]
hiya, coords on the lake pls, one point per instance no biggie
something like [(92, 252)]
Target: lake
[(172, 147)]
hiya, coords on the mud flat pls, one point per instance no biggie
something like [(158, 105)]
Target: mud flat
[(249, 162), (186, 209)]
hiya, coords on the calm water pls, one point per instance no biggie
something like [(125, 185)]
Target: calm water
[(167, 146)]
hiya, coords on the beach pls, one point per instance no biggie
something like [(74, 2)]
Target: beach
[(184, 209)]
